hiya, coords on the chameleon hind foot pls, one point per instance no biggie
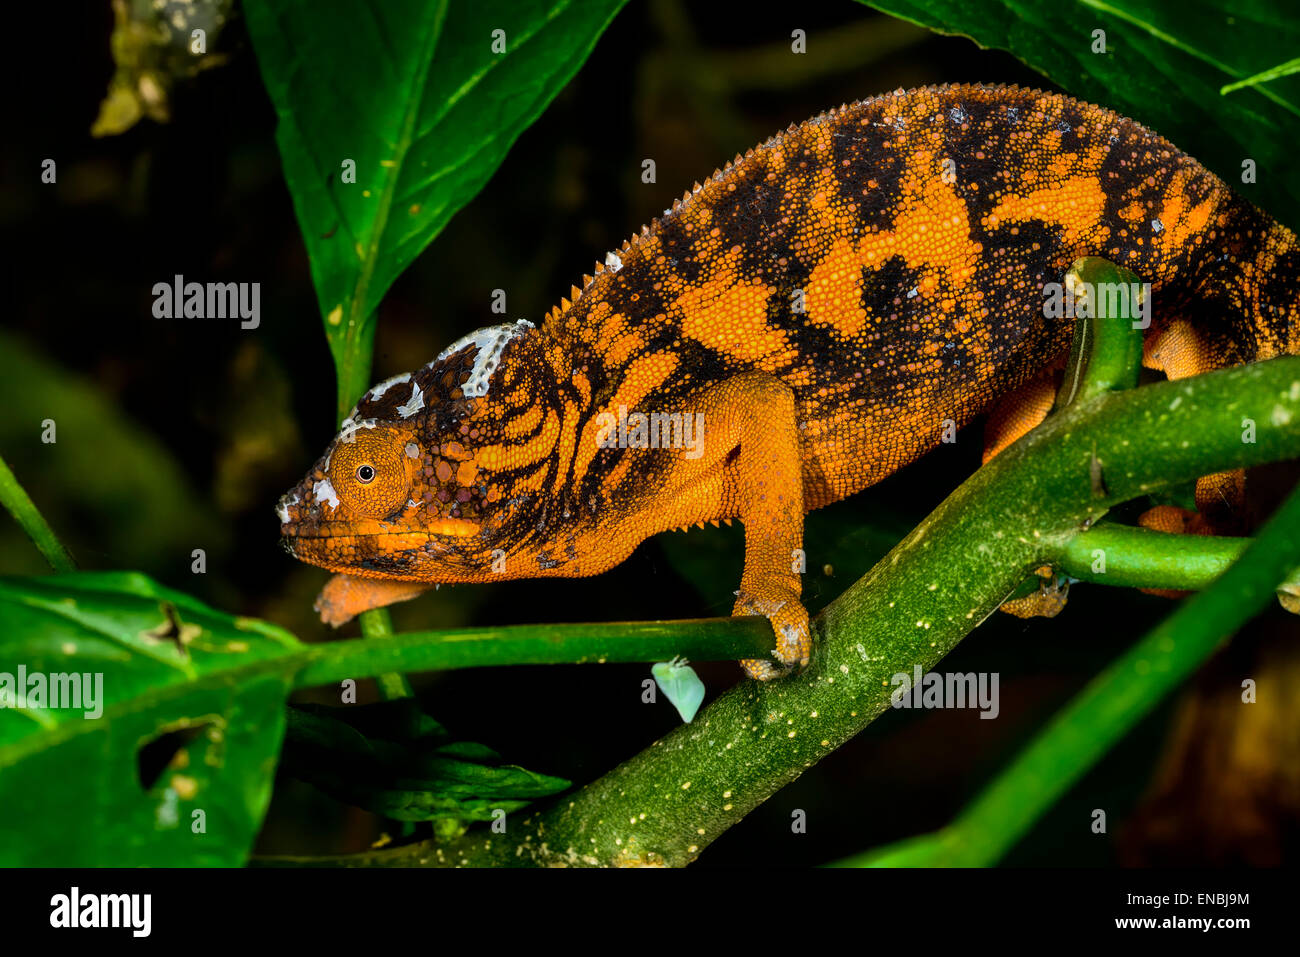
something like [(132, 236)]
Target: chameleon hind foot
[(793, 635), (1048, 602)]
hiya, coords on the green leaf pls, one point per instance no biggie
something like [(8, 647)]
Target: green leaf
[(413, 93), (393, 759), (1281, 70), (1164, 65), (680, 685), (192, 714), (19, 504)]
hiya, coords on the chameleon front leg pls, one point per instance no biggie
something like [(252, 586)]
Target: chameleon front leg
[(346, 596), (750, 428)]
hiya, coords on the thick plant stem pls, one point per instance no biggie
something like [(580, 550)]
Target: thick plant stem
[(19, 504), (1108, 707), (353, 352)]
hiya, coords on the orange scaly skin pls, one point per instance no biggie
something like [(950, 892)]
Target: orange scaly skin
[(825, 303)]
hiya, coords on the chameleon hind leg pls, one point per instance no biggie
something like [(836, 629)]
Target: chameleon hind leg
[(751, 434)]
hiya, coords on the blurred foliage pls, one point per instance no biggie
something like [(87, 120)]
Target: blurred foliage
[(129, 513), (154, 43)]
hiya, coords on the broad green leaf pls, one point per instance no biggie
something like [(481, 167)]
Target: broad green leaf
[(1164, 65), (97, 791), (181, 709), (393, 759), (414, 94)]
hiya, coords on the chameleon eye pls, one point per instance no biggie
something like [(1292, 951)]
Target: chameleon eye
[(371, 472)]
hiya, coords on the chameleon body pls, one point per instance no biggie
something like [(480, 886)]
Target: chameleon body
[(824, 307)]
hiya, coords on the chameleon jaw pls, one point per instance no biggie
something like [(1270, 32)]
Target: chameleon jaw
[(397, 554)]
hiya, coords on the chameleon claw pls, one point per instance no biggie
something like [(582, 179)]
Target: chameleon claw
[(760, 669), (793, 637)]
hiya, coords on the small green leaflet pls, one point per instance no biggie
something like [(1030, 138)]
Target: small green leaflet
[(678, 680)]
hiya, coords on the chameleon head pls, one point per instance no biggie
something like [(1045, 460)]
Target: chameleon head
[(411, 488)]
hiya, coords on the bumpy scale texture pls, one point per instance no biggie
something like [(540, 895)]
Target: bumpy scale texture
[(827, 303)]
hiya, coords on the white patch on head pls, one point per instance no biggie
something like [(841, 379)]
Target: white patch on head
[(377, 391), (412, 450), (348, 431), (490, 342), (325, 494), (282, 509), (413, 405), (613, 262)]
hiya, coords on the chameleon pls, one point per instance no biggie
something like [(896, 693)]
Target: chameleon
[(791, 331)]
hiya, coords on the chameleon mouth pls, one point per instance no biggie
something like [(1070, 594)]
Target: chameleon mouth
[(304, 518), (397, 554), (441, 528)]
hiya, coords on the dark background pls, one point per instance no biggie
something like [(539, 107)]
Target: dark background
[(176, 435)]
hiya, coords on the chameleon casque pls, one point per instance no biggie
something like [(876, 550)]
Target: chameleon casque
[(824, 302)]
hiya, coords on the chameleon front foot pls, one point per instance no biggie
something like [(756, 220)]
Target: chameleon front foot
[(793, 635), (346, 596)]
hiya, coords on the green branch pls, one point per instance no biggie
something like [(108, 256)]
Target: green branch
[(19, 504), (1112, 704), (702, 639), (1140, 558), (1265, 76), (1106, 355), (377, 625)]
